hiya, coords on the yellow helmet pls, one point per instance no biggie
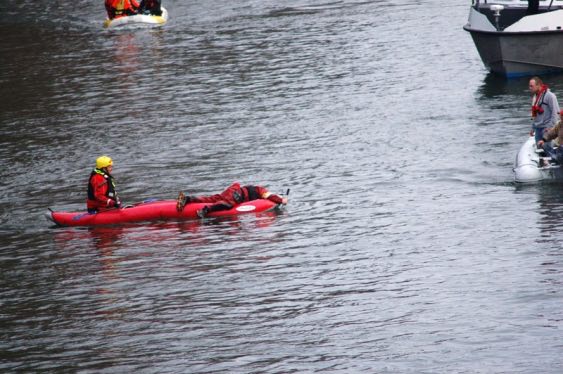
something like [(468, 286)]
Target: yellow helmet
[(103, 162)]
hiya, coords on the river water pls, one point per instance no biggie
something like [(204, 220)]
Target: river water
[(405, 248)]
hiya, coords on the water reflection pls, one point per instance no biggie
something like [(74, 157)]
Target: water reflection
[(549, 197), (107, 264), (107, 240), (546, 257), (495, 85), (126, 57), (550, 201)]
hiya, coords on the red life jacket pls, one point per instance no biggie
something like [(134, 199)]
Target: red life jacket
[(236, 194), (538, 102), (250, 193), (93, 203), (121, 8)]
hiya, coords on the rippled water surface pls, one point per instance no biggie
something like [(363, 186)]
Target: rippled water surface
[(406, 246)]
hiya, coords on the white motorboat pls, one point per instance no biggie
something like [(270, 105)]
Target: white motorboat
[(515, 38), (528, 165), (138, 19)]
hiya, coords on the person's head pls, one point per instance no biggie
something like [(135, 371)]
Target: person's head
[(104, 163), (535, 85)]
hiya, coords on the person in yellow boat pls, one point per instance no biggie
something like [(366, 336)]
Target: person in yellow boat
[(150, 7), (121, 8)]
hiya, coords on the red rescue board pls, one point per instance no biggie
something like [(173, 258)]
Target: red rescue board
[(162, 210)]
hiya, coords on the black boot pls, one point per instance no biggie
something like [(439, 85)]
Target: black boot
[(202, 213), (180, 202)]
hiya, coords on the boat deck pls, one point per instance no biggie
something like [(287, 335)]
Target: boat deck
[(514, 10)]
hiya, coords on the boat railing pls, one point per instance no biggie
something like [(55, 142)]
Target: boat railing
[(520, 3), (513, 11)]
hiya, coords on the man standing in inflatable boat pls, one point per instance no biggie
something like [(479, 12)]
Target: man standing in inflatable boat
[(545, 109), (233, 195), (101, 187), (123, 8)]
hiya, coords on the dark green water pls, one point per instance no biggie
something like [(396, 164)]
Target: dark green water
[(406, 247)]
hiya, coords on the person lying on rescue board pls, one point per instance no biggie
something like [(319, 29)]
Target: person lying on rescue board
[(556, 134), (232, 196), (101, 187)]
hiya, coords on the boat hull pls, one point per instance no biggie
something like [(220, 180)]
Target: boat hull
[(527, 166), (153, 211), (515, 43), (520, 54), (138, 19)]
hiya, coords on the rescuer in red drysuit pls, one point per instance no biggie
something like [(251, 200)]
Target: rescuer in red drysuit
[(121, 8), (233, 195), (101, 187)]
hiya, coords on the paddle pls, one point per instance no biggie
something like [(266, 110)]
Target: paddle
[(283, 194)]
